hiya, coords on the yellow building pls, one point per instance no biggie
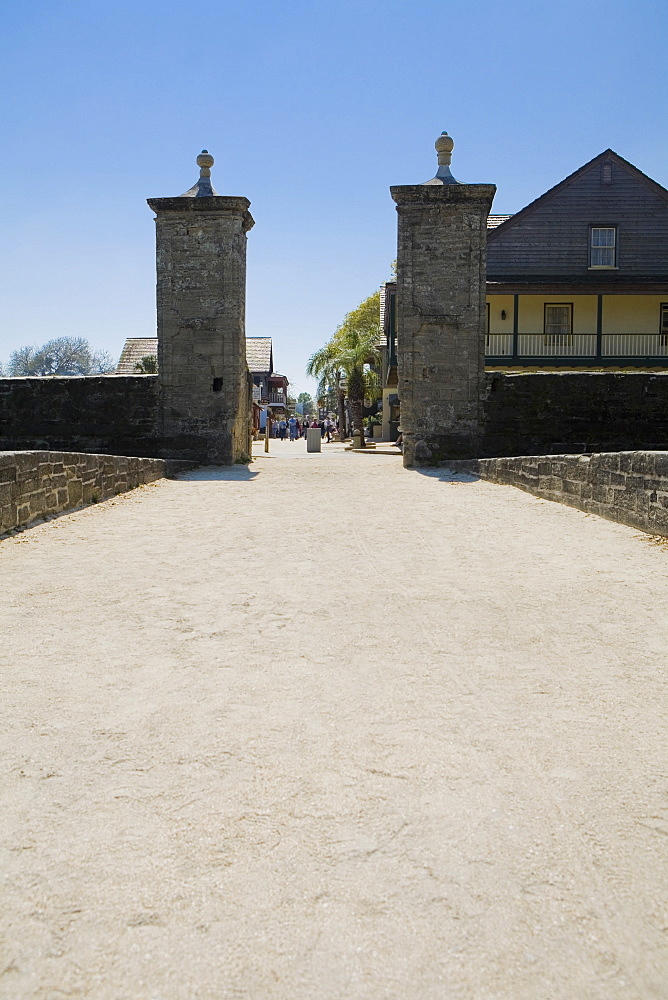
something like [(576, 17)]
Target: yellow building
[(579, 278)]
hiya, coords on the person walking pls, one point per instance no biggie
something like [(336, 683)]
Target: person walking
[(292, 425), (282, 427)]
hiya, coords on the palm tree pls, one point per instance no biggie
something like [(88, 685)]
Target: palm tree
[(359, 353), (148, 365), (349, 359), (324, 366)]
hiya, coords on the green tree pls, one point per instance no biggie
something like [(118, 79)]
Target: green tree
[(61, 356), (148, 365), (347, 363), (306, 400), (326, 367)]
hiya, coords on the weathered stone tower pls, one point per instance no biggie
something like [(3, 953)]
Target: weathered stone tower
[(201, 299), (441, 312)]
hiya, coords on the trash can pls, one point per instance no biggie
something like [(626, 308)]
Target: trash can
[(313, 439)]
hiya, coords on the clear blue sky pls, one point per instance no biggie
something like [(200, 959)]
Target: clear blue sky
[(311, 109)]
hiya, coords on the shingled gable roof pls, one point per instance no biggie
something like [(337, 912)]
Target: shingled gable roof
[(134, 349), (607, 154), (259, 354)]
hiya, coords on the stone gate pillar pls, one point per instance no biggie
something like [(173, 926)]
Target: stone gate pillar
[(441, 314), (201, 300)]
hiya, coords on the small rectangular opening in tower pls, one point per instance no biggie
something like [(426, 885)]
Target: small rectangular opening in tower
[(217, 385)]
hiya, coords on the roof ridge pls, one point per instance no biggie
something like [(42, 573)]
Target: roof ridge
[(546, 195)]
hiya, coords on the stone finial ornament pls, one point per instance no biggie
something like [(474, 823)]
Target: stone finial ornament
[(205, 161), (444, 146), (204, 188)]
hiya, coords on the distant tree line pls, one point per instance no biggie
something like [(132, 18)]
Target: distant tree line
[(61, 356)]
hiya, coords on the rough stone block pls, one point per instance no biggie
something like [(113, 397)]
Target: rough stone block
[(23, 513), (643, 463), (74, 492)]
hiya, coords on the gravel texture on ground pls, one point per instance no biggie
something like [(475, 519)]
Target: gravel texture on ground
[(328, 728)]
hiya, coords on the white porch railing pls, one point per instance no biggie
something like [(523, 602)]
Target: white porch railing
[(559, 345), (277, 397), (635, 345), (498, 345), (577, 345)]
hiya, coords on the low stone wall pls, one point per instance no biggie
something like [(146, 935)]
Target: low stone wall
[(105, 414), (538, 413), (630, 487), (34, 484), (534, 413)]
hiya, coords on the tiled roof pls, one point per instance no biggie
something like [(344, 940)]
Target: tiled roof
[(258, 354), (495, 220), (134, 349)]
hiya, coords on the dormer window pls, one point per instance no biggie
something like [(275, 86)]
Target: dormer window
[(603, 246)]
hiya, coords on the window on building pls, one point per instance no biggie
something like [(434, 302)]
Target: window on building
[(664, 324), (606, 173), (603, 246), (558, 324)]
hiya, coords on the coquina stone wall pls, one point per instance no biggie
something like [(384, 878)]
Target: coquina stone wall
[(523, 414), (565, 412), (34, 484), (630, 487), (107, 414)]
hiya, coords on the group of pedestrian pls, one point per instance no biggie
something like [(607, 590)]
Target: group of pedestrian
[(293, 428)]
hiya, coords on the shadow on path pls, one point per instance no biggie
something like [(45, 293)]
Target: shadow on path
[(448, 475), (223, 473)]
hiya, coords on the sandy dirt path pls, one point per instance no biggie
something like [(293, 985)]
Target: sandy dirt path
[(331, 729)]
